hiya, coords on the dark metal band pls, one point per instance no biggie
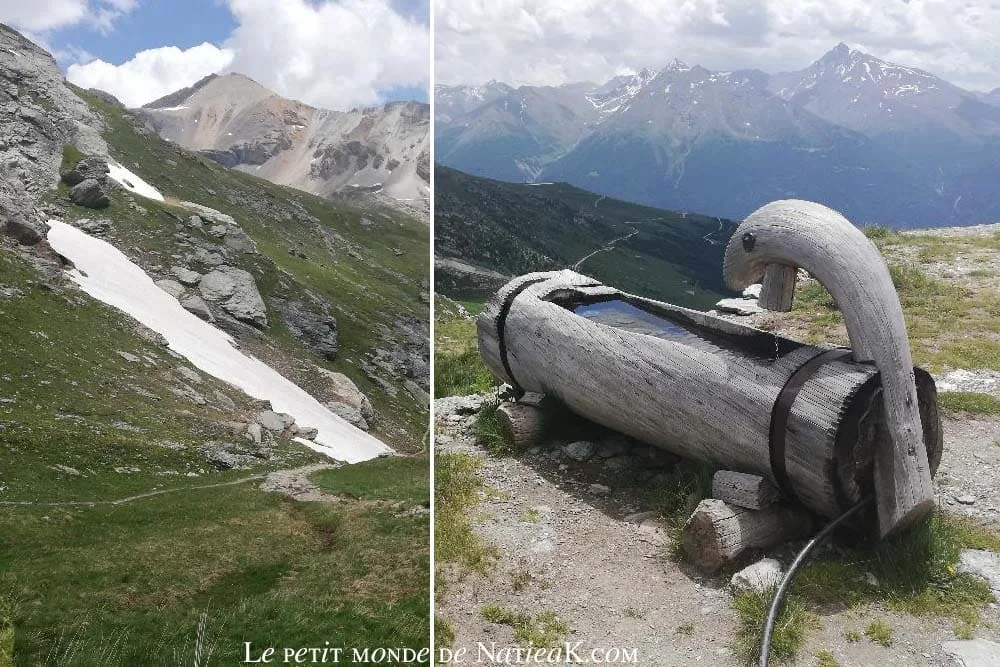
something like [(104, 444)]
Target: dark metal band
[(783, 408), (501, 324)]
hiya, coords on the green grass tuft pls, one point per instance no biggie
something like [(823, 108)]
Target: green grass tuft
[(686, 629), (457, 486), (878, 233), (543, 630), (880, 633), (913, 573), (969, 401), (490, 434), (789, 631), (826, 659), (444, 632)]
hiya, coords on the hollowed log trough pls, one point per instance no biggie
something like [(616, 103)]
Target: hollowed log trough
[(827, 426)]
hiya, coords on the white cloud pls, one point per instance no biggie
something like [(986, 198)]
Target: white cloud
[(555, 41), (151, 74), (330, 54), (40, 16)]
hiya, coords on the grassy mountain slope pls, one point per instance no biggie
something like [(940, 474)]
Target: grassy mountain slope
[(516, 228), (125, 536), (370, 265)]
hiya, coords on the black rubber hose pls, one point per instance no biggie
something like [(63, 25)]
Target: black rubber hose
[(772, 613)]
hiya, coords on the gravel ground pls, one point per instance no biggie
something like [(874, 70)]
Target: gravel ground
[(605, 570)]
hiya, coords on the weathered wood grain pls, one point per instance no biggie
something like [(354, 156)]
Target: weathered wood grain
[(524, 424), (707, 396), (778, 288), (824, 243), (752, 492), (718, 534)]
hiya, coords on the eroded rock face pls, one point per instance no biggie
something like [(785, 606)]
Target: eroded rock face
[(317, 330), (20, 221), (41, 115), (235, 290)]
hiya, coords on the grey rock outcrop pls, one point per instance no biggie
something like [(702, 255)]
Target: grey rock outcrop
[(349, 413), (983, 564), (22, 222), (185, 276), (89, 167), (41, 116), (171, 287), (89, 193), (343, 391), (317, 330), (237, 239), (195, 304), (236, 292)]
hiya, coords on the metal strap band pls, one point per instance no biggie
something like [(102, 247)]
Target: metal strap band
[(502, 325), (782, 410)]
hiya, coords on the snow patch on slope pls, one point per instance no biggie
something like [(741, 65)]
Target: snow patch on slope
[(108, 275), (131, 182)]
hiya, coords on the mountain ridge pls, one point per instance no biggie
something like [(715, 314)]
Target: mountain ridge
[(382, 151), (827, 132)]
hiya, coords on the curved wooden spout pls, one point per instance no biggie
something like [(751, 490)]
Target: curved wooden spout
[(783, 235)]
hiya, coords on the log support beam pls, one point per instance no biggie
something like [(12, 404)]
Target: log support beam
[(751, 492), (719, 535)]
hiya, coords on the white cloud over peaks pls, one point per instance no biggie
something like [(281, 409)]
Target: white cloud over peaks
[(39, 16), (151, 74), (330, 54), (555, 41)]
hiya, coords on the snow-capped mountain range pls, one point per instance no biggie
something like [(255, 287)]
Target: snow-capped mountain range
[(882, 142)]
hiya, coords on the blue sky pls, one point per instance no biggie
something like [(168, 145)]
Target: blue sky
[(153, 23), (329, 53)]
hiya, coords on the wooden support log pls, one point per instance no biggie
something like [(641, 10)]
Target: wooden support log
[(719, 534), (523, 423), (824, 243), (699, 386), (778, 288), (743, 490)]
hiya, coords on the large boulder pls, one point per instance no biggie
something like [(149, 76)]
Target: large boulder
[(235, 290), (348, 413), (89, 193), (195, 304), (238, 240), (89, 167), (317, 330), (342, 390)]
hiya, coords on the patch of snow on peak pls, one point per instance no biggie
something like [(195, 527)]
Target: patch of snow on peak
[(131, 182), (182, 107), (108, 275)]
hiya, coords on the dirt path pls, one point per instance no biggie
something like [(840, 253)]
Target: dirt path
[(607, 246), (605, 570), (128, 499), (294, 483)]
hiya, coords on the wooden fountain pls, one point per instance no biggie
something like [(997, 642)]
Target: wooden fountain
[(798, 430)]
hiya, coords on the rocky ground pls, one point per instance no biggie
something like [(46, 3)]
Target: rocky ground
[(576, 539)]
